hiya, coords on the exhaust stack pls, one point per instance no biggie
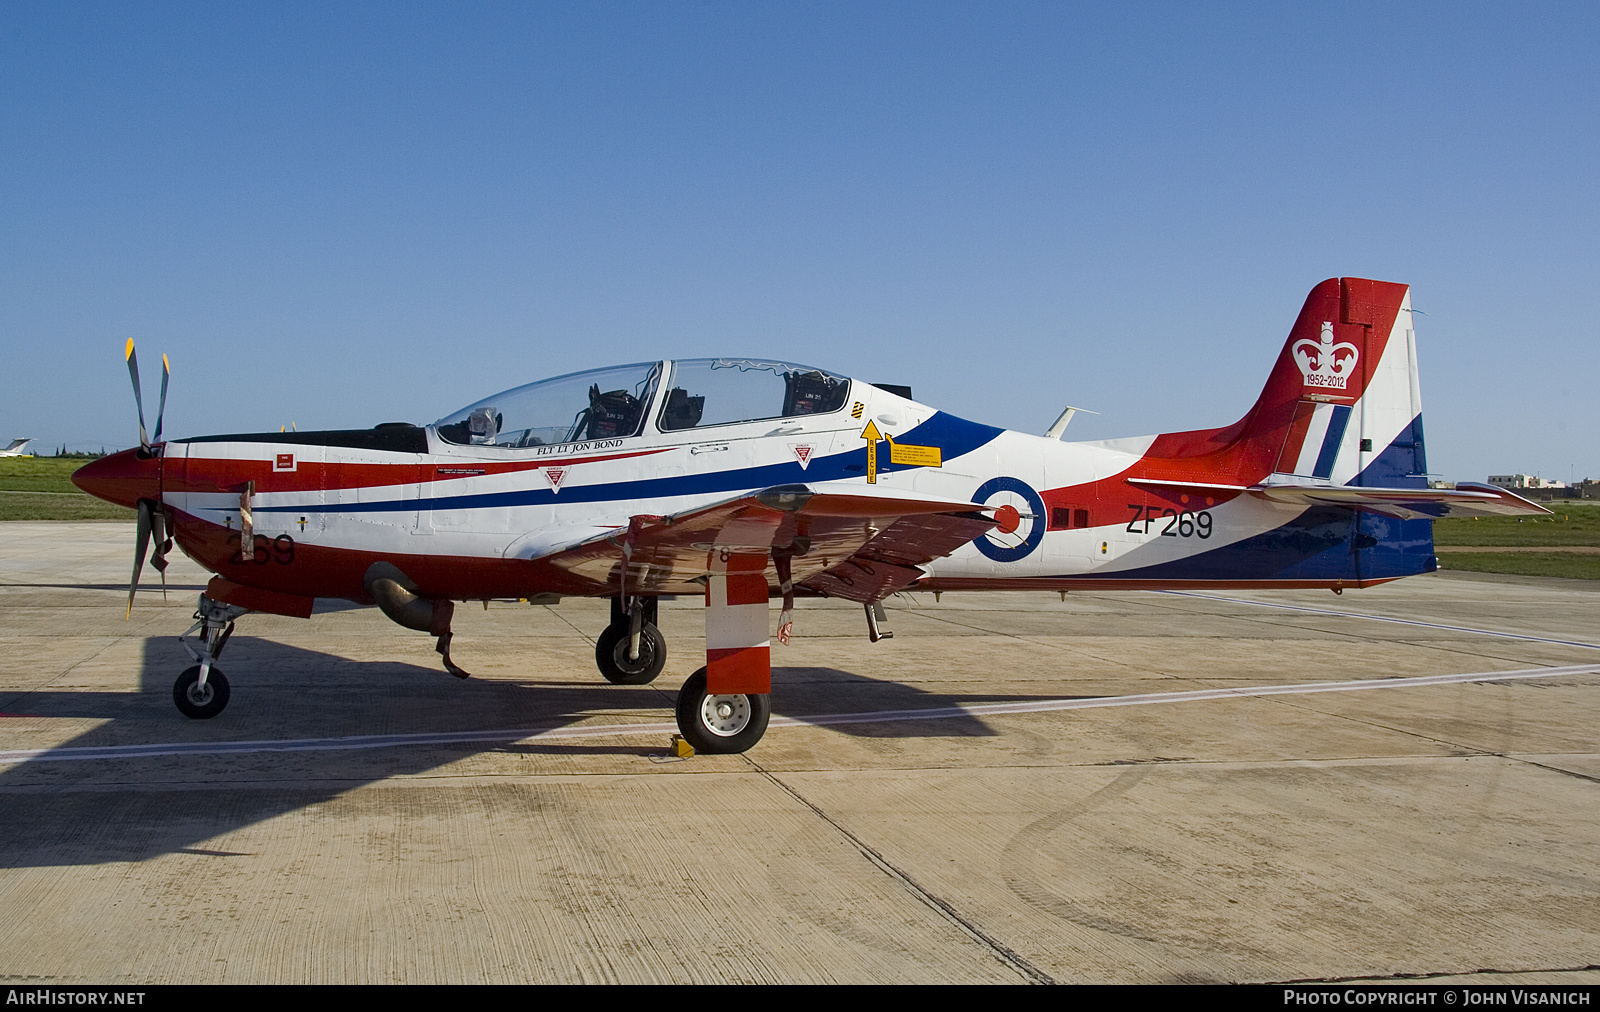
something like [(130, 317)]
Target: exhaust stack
[(397, 596)]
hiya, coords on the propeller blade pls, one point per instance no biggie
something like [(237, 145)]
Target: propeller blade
[(163, 540), (138, 400), (166, 373), (141, 545)]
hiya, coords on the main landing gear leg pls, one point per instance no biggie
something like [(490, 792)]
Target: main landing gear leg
[(201, 692), (631, 650), (724, 707)]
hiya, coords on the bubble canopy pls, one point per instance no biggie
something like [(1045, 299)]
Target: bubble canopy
[(613, 402)]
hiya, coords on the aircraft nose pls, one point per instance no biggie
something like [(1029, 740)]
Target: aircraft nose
[(123, 478)]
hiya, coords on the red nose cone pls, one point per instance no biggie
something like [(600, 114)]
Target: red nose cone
[(123, 478)]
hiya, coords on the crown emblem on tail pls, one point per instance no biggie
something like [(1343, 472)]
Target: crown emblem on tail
[(1323, 363)]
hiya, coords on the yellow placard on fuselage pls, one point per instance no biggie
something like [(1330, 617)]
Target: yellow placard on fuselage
[(915, 456)]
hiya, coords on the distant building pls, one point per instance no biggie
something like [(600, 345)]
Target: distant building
[(1530, 487), (1523, 481)]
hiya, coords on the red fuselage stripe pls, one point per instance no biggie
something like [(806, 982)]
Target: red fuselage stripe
[(211, 474)]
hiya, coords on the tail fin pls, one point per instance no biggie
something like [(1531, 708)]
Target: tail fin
[(1342, 403)]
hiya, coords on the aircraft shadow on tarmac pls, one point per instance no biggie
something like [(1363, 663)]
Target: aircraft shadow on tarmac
[(171, 588), (132, 809)]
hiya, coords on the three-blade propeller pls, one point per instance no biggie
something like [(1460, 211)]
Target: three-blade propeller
[(151, 519)]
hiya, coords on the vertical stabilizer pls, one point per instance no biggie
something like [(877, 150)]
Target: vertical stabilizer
[(1342, 404)]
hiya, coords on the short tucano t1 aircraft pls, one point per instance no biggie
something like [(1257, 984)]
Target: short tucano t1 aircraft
[(741, 479)]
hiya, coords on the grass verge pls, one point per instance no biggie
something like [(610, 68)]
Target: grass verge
[(1573, 523), (41, 488), (1562, 564), (57, 506), (39, 474)]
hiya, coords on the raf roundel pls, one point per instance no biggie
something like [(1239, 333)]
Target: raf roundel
[(1021, 514)]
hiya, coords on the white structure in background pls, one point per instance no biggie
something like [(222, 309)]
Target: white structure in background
[(1523, 481)]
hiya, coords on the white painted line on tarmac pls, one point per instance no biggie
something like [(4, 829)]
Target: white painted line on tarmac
[(525, 734), (1193, 696), (341, 744), (1383, 618)]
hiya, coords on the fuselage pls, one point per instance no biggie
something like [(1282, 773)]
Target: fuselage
[(472, 520), (742, 479)]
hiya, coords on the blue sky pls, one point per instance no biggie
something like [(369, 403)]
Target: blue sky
[(341, 214)]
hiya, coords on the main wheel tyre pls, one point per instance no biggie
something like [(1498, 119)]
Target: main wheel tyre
[(720, 725), (611, 655), (200, 702)]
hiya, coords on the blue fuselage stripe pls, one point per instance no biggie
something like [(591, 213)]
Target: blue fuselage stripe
[(954, 436)]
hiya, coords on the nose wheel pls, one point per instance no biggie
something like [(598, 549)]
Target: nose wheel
[(721, 724), (199, 700)]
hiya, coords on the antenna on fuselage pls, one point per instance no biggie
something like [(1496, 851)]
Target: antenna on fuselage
[(1060, 426)]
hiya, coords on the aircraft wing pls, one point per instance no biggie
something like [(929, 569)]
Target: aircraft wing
[(1467, 499), (843, 541)]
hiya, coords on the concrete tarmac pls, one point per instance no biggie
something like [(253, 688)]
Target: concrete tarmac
[(992, 819)]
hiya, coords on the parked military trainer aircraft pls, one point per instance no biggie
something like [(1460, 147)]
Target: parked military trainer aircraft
[(740, 479)]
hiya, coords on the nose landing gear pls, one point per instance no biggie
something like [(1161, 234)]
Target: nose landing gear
[(201, 692)]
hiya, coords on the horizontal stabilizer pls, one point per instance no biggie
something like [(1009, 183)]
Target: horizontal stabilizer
[(1467, 499)]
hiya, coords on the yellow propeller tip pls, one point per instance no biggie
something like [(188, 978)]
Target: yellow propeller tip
[(127, 349)]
